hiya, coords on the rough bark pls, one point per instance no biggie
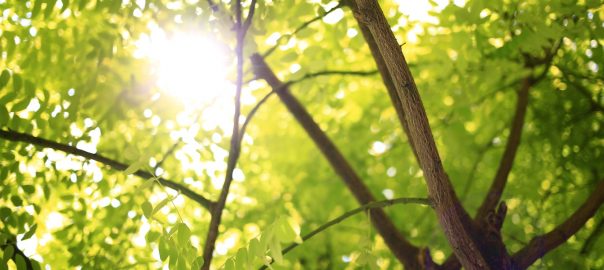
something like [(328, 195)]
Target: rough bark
[(455, 221), (386, 78), (405, 252)]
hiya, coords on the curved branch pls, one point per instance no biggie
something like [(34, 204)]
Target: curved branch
[(371, 205), (292, 82), (300, 28), (542, 244), (36, 141), (332, 72), (252, 112), (505, 165), (401, 247)]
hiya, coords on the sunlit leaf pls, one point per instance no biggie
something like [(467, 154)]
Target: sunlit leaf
[(30, 233), (147, 209)]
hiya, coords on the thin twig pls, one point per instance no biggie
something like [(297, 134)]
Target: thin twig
[(292, 82), (300, 28), (366, 207), (333, 72)]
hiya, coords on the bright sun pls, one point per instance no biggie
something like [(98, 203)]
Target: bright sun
[(188, 66)]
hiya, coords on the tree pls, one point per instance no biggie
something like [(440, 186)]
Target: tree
[(480, 148)]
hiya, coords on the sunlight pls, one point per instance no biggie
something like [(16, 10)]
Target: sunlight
[(188, 66)]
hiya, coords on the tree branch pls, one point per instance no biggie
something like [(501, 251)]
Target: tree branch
[(235, 150), (308, 76), (505, 165), (300, 28), (248, 19), (459, 228), (487, 207), (542, 244), (40, 142), (402, 249), (386, 78), (366, 207), (332, 72)]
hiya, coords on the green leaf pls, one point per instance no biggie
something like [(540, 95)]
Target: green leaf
[(65, 5), (29, 189), (152, 236), (4, 77), (20, 262), (163, 248), (183, 234), (267, 236), (8, 253), (50, 5), (147, 184), (181, 264), (161, 204), (197, 263), (134, 167), (35, 264), (230, 265), (30, 88), (284, 231), (17, 201), (256, 249), (241, 259), (21, 105), (147, 210), (37, 7), (275, 250), (30, 233), (290, 57), (4, 116), (17, 82), (5, 212)]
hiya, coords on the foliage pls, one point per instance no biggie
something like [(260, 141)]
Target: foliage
[(69, 74)]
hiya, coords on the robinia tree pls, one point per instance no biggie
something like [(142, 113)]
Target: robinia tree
[(301, 134)]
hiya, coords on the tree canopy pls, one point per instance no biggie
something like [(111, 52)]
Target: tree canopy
[(351, 134)]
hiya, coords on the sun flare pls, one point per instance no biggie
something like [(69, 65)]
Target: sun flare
[(188, 66)]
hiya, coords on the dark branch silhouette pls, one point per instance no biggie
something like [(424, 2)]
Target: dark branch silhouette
[(40, 142), (542, 244), (235, 149)]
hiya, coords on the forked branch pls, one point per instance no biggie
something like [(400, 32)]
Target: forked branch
[(459, 228), (401, 247), (241, 28)]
